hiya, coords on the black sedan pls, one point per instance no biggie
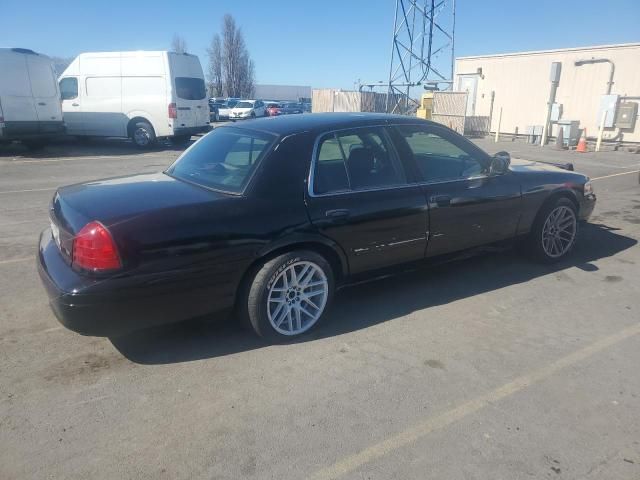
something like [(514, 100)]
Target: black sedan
[(268, 218), (291, 108)]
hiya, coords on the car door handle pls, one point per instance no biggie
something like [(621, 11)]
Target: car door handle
[(441, 200), (75, 104), (337, 214), (42, 104)]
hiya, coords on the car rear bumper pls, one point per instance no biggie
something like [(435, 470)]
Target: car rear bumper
[(116, 307), (191, 130)]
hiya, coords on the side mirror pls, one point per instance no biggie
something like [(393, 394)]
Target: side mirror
[(500, 163)]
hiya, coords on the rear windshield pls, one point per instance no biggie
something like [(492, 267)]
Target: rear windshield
[(224, 159), (189, 88)]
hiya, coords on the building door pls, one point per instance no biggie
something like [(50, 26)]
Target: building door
[(469, 84)]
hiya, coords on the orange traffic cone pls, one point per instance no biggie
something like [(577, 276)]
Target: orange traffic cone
[(582, 143)]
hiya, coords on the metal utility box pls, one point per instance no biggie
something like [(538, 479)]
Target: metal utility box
[(570, 131), (627, 114), (556, 68), (426, 106), (533, 133), (608, 103), (556, 112)]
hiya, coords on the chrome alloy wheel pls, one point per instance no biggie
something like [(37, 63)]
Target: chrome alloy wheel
[(297, 298), (559, 231), (141, 137)]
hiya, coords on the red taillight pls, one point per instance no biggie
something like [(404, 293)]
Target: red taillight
[(173, 111), (94, 248)]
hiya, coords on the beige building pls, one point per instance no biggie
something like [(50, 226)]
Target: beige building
[(520, 85)]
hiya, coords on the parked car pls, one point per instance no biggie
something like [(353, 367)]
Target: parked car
[(141, 95), (214, 109), (224, 111), (248, 109), (30, 108), (273, 109), (291, 108), (270, 217)]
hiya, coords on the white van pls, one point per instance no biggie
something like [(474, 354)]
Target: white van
[(30, 108), (141, 95)]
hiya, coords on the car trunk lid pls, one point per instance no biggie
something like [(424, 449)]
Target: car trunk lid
[(118, 202)]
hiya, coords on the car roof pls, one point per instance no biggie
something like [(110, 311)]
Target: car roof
[(290, 124)]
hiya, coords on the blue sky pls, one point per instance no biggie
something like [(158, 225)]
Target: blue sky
[(327, 43)]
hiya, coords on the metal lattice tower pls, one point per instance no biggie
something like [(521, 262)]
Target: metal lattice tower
[(422, 50)]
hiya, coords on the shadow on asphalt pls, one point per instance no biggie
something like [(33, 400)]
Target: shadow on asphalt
[(365, 305), (73, 148)]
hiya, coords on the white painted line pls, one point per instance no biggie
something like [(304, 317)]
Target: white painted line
[(615, 175), (29, 190), (17, 260), (424, 428)]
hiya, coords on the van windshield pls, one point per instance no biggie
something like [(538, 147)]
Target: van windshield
[(190, 88), (224, 159)]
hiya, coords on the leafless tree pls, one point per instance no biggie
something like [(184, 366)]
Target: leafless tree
[(237, 67), (215, 67), (178, 44)]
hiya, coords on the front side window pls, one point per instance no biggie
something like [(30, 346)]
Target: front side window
[(190, 88), (69, 88), (224, 159), (438, 158), (354, 160)]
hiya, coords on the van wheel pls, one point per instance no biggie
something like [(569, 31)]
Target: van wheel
[(288, 295), (181, 139), (143, 135)]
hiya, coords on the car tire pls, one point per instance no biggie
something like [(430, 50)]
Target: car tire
[(554, 231), (180, 140), (279, 306), (253, 114), (143, 135)]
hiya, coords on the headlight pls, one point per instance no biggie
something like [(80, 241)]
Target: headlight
[(588, 188)]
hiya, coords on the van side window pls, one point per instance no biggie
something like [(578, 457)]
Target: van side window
[(69, 88)]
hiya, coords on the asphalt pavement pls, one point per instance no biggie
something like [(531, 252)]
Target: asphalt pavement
[(488, 368)]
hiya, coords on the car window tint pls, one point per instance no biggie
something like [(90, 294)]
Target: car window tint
[(356, 160), (189, 88), (224, 159), (437, 158), (330, 169), (369, 160)]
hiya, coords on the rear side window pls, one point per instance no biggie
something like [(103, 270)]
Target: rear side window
[(190, 88), (355, 160), (224, 159), (69, 88)]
